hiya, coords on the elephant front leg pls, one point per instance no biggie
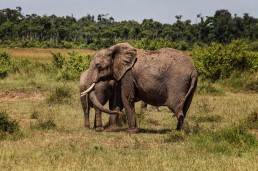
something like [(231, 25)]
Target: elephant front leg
[(86, 111), (115, 103), (86, 120), (128, 102), (98, 120)]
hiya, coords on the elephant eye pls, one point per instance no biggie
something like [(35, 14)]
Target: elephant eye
[(99, 67)]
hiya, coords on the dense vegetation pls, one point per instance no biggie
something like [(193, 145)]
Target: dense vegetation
[(32, 30)]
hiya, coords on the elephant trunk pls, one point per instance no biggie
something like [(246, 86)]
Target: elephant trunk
[(97, 104)]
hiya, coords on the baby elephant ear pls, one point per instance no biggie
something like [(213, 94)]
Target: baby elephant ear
[(124, 57)]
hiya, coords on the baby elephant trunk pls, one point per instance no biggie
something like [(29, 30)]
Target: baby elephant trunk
[(93, 98)]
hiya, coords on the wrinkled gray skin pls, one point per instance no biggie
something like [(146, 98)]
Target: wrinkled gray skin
[(164, 77), (104, 91)]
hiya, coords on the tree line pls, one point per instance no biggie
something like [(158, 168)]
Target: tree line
[(32, 30)]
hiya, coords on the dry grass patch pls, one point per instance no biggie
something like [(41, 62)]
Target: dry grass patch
[(42, 54)]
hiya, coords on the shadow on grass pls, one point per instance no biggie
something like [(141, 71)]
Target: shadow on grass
[(154, 131)]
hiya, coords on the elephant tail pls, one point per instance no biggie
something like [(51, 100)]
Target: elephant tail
[(190, 93)]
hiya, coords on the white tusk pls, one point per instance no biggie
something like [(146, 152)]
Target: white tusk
[(88, 90)]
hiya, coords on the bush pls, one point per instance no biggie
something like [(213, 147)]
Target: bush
[(60, 95), (71, 68), (58, 60), (207, 87), (159, 43), (254, 46), (147, 44), (4, 64), (219, 61), (8, 127)]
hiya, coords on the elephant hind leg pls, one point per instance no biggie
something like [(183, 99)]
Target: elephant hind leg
[(178, 109)]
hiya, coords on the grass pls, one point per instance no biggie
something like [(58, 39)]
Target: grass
[(222, 131), (40, 54)]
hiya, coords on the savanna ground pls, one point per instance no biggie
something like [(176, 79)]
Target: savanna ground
[(222, 132)]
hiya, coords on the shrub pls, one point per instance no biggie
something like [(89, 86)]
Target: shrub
[(67, 45), (59, 96), (254, 46), (71, 68), (58, 60), (207, 87), (17, 65), (8, 127), (4, 64), (219, 61), (145, 43)]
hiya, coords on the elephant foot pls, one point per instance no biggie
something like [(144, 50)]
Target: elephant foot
[(180, 122), (133, 130), (87, 126), (99, 129), (112, 128)]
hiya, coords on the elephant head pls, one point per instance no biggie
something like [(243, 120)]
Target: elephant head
[(109, 64)]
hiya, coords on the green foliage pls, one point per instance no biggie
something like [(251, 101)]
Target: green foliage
[(58, 60), (8, 127), (254, 46), (158, 43), (208, 87), (72, 67), (4, 64), (68, 32), (60, 95), (219, 61), (231, 141)]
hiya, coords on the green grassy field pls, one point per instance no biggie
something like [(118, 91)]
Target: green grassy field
[(222, 132)]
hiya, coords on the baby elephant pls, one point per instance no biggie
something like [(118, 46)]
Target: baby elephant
[(103, 91)]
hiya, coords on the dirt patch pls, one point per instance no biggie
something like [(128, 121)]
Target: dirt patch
[(14, 95)]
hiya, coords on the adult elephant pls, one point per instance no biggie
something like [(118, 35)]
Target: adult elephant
[(103, 91), (164, 77)]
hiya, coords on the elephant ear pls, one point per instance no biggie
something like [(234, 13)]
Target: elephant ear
[(124, 57)]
